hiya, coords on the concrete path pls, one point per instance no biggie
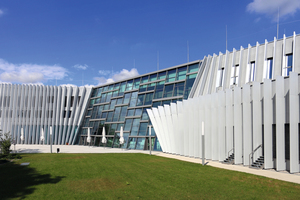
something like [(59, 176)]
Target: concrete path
[(284, 176)]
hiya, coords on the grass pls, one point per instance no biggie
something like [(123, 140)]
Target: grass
[(131, 176)]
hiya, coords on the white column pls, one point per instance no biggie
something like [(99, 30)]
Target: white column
[(237, 122), (280, 120), (294, 120), (221, 127)]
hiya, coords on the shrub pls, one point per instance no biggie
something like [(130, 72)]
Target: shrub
[(5, 141)]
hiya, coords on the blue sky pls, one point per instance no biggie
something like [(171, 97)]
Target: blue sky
[(94, 42)]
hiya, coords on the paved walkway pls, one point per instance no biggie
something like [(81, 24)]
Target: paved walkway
[(284, 176)]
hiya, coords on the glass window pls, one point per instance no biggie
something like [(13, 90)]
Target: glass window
[(140, 143), (159, 90), (111, 87), (162, 75), (140, 99), (130, 112), (116, 114), (90, 111), (119, 126), (148, 98), (153, 77), (143, 129), (99, 92), (108, 96), (106, 107), (95, 91), (168, 90), (178, 89), (105, 88), (220, 77), (193, 68), (189, 84), (136, 83), (151, 86), (234, 75), (86, 123), (103, 97), (91, 124), (94, 114), (119, 101), (250, 72), (166, 102), (113, 128), (127, 98), (100, 108), (128, 123), (268, 72), (145, 114), (138, 112), (109, 116), (288, 65), (123, 113), (92, 103), (135, 126), (181, 73), (133, 99), (129, 85), (122, 88), (115, 93), (171, 75), (131, 143), (145, 79), (143, 88), (156, 104), (117, 86), (109, 141), (97, 100), (112, 104), (104, 114)]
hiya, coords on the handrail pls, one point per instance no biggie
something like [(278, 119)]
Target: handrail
[(230, 151), (251, 154)]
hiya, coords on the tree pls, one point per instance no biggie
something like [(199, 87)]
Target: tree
[(5, 142)]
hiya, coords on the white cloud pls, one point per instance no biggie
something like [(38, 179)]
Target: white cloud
[(270, 7), (83, 67), (105, 72), (30, 73), (123, 74), (1, 12), (68, 85)]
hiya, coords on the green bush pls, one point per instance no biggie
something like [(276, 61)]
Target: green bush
[(5, 142)]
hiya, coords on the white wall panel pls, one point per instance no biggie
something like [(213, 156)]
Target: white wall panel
[(247, 125)]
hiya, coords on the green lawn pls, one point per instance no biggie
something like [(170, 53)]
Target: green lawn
[(131, 176)]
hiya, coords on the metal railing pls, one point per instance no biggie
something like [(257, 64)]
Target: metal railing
[(230, 151), (251, 154)]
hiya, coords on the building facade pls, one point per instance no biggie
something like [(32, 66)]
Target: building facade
[(247, 102)]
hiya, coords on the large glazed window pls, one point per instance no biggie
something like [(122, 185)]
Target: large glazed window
[(168, 90), (159, 90), (288, 66), (171, 75), (178, 89), (189, 84), (181, 74), (193, 68)]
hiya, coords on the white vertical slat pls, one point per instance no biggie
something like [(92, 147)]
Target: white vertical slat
[(257, 119), (186, 128), (190, 129), (294, 120), (247, 124), (214, 127), (181, 126), (268, 116), (174, 117), (207, 124), (160, 134), (196, 127), (229, 121), (280, 119), (238, 128), (200, 102), (169, 126), (165, 128), (221, 126)]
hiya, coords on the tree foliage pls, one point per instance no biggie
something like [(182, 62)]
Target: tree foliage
[(5, 142)]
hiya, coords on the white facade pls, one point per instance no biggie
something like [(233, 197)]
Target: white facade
[(36, 107), (249, 103)]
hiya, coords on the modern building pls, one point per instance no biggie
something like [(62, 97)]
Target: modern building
[(247, 102)]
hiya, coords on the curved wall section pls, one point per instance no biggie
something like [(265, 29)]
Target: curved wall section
[(35, 108)]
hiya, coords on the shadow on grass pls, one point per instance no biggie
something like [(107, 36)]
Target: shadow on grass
[(18, 181)]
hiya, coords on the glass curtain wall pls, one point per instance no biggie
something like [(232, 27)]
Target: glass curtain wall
[(125, 103)]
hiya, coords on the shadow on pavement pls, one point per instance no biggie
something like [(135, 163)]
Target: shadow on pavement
[(19, 181)]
